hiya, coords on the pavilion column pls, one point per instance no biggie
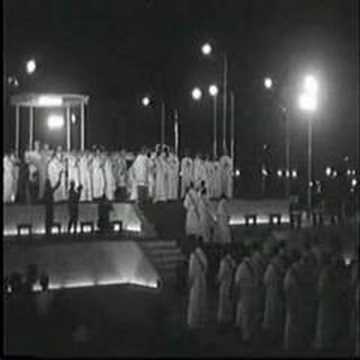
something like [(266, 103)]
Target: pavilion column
[(17, 129), (82, 126), (68, 129), (31, 127)]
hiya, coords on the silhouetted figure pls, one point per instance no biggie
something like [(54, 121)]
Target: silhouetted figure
[(104, 209), (31, 277), (48, 200), (73, 205)]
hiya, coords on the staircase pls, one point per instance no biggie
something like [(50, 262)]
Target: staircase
[(166, 257)]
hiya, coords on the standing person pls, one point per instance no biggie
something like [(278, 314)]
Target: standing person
[(104, 209), (98, 178), (300, 294), (245, 290), (217, 181), (73, 168), (197, 305), (122, 175), (15, 175), (226, 165), (141, 174), (160, 176), (274, 312), (109, 177), (151, 174), (48, 200), (223, 218), (332, 290), (7, 178), (206, 217), (191, 204), (85, 167), (225, 278), (56, 166), (173, 176), (210, 175), (34, 157), (199, 171), (73, 206), (186, 172)]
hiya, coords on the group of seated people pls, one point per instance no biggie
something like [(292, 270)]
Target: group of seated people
[(296, 298), (153, 173)]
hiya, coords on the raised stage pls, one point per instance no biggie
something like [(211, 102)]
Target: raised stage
[(83, 264)]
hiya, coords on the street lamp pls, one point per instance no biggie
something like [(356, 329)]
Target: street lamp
[(206, 50), (268, 83), (308, 104), (213, 91), (196, 94), (146, 101), (30, 66)]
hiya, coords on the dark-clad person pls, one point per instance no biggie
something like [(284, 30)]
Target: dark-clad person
[(48, 200), (331, 319), (104, 209), (73, 205)]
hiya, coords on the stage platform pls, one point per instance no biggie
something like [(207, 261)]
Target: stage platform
[(128, 213), (83, 264)]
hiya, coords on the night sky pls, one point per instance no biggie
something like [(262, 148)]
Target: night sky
[(117, 51)]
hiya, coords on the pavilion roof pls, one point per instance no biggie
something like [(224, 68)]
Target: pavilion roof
[(49, 99)]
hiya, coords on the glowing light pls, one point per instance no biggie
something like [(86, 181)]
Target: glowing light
[(268, 83), (213, 90), (353, 182), (279, 173), (348, 172), (133, 227), (24, 231), (353, 172), (287, 173), (73, 118), (335, 173), (294, 174), (196, 94), (261, 220), (206, 49), (30, 66), (50, 101), (307, 102), (328, 171), (55, 122), (347, 260), (237, 172), (311, 85), (55, 230), (117, 227), (264, 172), (145, 101)]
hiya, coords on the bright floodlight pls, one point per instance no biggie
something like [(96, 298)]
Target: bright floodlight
[(307, 102), (50, 101), (196, 93), (206, 49), (145, 101), (213, 90), (294, 174), (55, 122), (268, 83), (311, 85), (73, 118), (30, 66), (328, 171), (279, 173), (353, 182)]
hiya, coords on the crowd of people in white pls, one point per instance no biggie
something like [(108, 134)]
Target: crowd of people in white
[(157, 174), (297, 298)]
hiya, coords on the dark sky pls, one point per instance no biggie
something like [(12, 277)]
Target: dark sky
[(117, 51)]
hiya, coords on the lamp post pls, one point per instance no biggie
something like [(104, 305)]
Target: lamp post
[(146, 101), (207, 50), (213, 91), (308, 103)]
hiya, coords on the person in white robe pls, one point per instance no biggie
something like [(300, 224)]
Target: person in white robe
[(160, 177), (7, 179), (186, 173), (223, 232), (225, 278), (46, 154), (141, 174), (333, 287), (73, 168), (197, 304), (122, 174), (85, 167), (207, 220), (217, 180), (245, 290), (55, 168), (274, 312), (109, 177), (226, 165), (132, 184), (15, 168), (98, 176), (35, 158), (191, 204), (173, 176), (151, 174), (210, 175), (199, 172)]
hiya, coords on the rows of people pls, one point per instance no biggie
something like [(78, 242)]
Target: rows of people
[(156, 173), (297, 298)]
